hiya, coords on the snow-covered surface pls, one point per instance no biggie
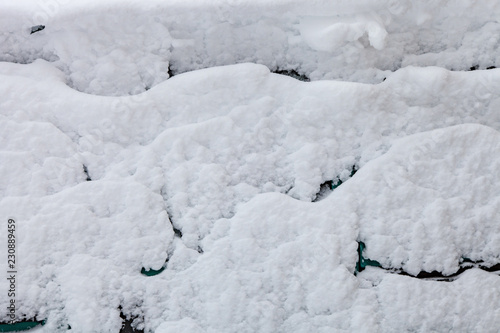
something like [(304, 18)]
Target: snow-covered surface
[(233, 156), (442, 191), (125, 47)]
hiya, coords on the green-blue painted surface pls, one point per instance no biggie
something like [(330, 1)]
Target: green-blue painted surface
[(363, 262), (152, 272), (338, 182), (20, 326)]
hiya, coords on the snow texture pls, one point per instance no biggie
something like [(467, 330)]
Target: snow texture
[(117, 47), (231, 156)]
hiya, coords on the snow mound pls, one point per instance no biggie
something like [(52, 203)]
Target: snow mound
[(202, 151), (465, 305), (432, 200), (119, 47), (288, 260)]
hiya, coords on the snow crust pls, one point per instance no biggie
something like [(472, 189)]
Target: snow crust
[(232, 157)]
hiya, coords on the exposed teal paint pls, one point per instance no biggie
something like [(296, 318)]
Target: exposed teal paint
[(152, 272), (338, 182), (362, 262), (20, 326)]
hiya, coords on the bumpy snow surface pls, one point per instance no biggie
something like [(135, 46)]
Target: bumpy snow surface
[(137, 136)]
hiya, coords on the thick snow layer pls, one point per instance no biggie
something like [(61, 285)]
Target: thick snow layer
[(212, 174), (201, 148), (468, 304), (433, 199), (126, 47)]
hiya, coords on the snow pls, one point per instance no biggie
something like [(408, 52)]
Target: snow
[(441, 189), (125, 47), (329, 34), (105, 163)]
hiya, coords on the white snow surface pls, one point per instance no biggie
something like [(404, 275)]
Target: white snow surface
[(116, 47), (233, 157)]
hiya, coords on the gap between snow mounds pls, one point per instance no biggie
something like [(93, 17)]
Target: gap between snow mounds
[(464, 265), (471, 69), (477, 67), (129, 324), (291, 72), (327, 187), (177, 235), (86, 172)]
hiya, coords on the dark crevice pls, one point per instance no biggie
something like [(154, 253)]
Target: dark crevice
[(338, 182), (451, 69), (170, 75), (465, 265), (301, 76), (327, 187), (86, 172), (36, 28), (288, 189), (177, 232), (476, 67), (438, 276), (292, 73), (479, 264), (288, 72), (434, 275), (490, 269), (170, 71), (128, 324), (324, 190)]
